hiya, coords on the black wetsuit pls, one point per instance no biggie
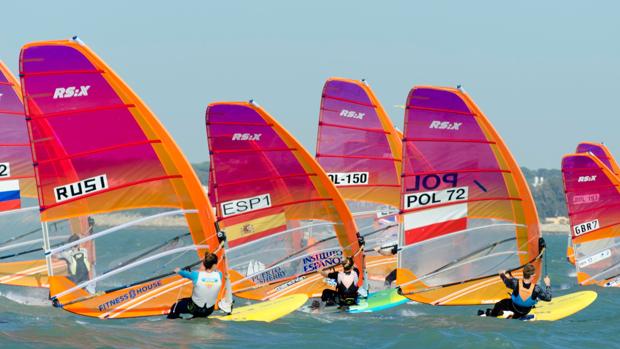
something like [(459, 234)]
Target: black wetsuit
[(342, 296), (187, 306), (508, 305)]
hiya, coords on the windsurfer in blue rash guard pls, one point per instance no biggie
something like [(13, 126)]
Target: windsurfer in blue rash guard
[(207, 283), (524, 295)]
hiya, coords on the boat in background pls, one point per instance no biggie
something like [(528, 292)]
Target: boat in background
[(467, 210), (284, 219), (361, 151)]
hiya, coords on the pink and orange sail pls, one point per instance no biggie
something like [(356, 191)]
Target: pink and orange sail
[(602, 153), (467, 211), (593, 199), (361, 150), (98, 151), (283, 217), (20, 236)]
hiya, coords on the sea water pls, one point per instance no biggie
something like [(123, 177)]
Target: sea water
[(411, 325)]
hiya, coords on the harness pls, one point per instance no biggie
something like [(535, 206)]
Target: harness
[(197, 310), (78, 264), (524, 297)]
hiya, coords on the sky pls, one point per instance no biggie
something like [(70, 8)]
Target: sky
[(546, 73)]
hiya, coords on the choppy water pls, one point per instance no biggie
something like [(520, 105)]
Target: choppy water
[(414, 325)]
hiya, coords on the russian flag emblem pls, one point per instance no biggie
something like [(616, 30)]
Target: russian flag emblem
[(9, 195)]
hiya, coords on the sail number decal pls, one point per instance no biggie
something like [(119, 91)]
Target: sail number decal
[(438, 197), (80, 188), (586, 227), (230, 208), (348, 178), (5, 170), (433, 181), (594, 258), (586, 199)]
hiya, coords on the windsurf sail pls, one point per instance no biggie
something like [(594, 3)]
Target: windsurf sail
[(602, 153), (361, 151), (20, 236), (592, 197), (283, 218), (102, 157), (467, 211)]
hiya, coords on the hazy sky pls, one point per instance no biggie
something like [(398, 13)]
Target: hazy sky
[(544, 72)]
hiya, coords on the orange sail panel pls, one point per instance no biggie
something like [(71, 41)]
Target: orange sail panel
[(467, 211), (361, 150), (283, 218), (593, 199), (104, 161)]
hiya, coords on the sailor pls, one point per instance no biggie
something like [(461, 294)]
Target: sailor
[(346, 293), (207, 283), (78, 265), (524, 295), (388, 251)]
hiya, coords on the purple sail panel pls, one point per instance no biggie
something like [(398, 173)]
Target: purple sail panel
[(83, 127), (601, 152)]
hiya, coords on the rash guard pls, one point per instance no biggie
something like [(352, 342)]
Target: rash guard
[(537, 294), (206, 286), (346, 284)]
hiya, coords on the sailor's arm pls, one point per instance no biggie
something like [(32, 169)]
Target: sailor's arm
[(388, 251), (545, 294), (508, 281), (325, 272), (192, 275)]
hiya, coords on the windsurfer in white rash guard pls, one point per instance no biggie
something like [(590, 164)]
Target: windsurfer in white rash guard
[(346, 293), (207, 284)]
